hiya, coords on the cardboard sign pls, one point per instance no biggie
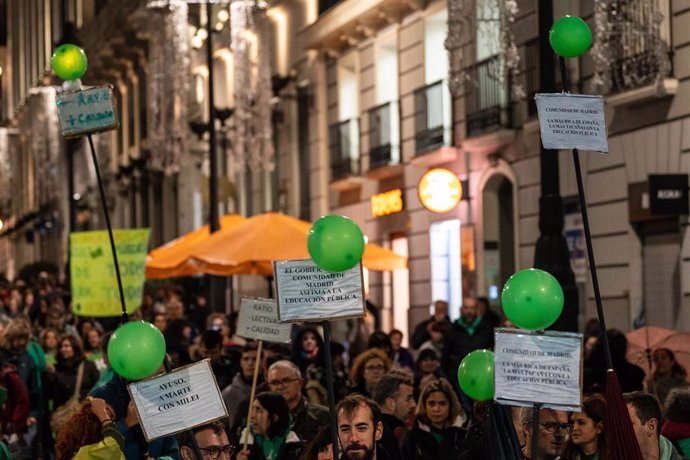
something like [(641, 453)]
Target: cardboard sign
[(177, 401), (258, 319), (305, 292), (94, 283), (572, 122), (87, 111), (541, 368)]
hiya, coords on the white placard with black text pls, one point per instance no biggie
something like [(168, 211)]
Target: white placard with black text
[(179, 400), (305, 292), (543, 368), (569, 121), (258, 320)]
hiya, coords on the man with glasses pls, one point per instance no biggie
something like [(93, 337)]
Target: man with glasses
[(553, 431), (211, 440), (284, 378)]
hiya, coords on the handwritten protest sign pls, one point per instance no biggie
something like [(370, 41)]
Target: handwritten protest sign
[(538, 368), (177, 401), (258, 319), (305, 292), (87, 111), (94, 285), (569, 121)]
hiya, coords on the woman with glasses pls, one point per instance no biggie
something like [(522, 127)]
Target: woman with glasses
[(438, 431), (367, 370), (269, 436), (587, 440)]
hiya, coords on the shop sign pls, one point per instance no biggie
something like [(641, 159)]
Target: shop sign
[(383, 204), (569, 121), (439, 190), (533, 367), (87, 111), (668, 194)]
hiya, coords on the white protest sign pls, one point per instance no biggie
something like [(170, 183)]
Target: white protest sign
[(572, 122), (541, 368), (258, 319), (305, 292), (86, 111), (179, 400)]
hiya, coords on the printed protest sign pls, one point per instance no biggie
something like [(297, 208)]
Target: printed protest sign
[(92, 271), (541, 368), (572, 122), (179, 400), (305, 292), (258, 319), (87, 111)]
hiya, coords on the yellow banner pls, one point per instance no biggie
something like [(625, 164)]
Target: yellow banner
[(94, 283)]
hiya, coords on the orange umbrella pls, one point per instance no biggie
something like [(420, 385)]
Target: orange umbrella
[(170, 260), (252, 246)]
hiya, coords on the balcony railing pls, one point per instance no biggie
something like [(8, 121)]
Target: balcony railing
[(432, 117), (384, 135), (344, 149), (486, 97)]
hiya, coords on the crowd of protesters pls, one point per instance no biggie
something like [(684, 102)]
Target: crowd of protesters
[(59, 398)]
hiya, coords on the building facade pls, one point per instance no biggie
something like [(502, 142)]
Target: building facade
[(367, 96)]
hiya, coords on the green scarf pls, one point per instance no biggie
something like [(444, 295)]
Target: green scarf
[(469, 327), (270, 447)]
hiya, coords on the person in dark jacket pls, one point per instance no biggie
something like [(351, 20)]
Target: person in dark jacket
[(15, 409), (308, 349), (115, 393), (394, 395), (630, 376), (422, 333), (63, 377), (470, 332), (438, 432), (269, 436)]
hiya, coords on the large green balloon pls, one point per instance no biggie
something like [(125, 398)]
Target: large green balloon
[(69, 62), (335, 243), (476, 375), (570, 37), (136, 350), (532, 299)]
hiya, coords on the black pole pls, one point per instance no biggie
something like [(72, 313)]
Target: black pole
[(551, 250), (216, 283), (534, 454), (588, 234), (106, 214), (331, 392)]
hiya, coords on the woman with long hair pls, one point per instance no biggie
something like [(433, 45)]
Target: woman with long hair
[(587, 439), (90, 434), (668, 374), (63, 379), (438, 432), (368, 369), (49, 344), (269, 436)]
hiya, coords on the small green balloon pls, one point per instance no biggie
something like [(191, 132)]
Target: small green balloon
[(570, 37), (532, 299), (476, 375), (335, 243), (136, 350), (69, 62)]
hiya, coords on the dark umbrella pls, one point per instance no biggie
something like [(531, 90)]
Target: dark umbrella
[(503, 443)]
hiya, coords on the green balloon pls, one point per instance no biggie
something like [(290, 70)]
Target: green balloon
[(476, 375), (335, 243), (136, 350), (532, 299), (69, 62), (570, 37)]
